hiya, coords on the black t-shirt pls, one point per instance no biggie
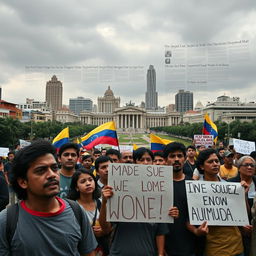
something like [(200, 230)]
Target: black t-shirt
[(188, 169), (180, 241)]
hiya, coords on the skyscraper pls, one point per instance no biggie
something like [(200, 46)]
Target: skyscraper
[(53, 95), (79, 104), (183, 101), (151, 94)]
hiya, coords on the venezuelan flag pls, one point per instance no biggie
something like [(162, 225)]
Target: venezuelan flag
[(157, 143), (210, 128), (61, 139), (103, 134)]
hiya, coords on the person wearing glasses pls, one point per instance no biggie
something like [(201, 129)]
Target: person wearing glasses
[(246, 171), (68, 156)]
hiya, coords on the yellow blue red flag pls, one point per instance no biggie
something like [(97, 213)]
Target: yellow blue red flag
[(157, 143), (61, 139), (210, 128), (103, 134)]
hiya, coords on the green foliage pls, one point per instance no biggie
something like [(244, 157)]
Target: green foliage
[(11, 130)]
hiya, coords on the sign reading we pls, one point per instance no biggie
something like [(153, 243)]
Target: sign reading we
[(218, 203), (142, 193)]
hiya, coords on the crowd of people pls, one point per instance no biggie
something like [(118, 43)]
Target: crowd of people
[(55, 203)]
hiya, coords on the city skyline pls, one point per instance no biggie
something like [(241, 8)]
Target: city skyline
[(135, 34)]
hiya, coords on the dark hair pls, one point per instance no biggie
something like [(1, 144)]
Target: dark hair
[(172, 147), (24, 158), (219, 149), (203, 156), (96, 151), (67, 146), (112, 151), (11, 153), (253, 154), (138, 153), (100, 160), (159, 153), (191, 146), (73, 194), (87, 156)]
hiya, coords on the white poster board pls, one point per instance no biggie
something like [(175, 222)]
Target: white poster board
[(4, 152), (24, 143), (123, 148), (206, 140), (142, 193), (218, 203), (243, 146)]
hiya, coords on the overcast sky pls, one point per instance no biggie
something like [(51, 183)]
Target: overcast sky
[(41, 38)]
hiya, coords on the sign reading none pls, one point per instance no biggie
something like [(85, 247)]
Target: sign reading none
[(142, 193), (218, 203)]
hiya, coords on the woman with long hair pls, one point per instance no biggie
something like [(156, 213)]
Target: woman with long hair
[(220, 240), (84, 190)]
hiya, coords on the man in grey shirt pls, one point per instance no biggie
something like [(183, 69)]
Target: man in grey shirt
[(46, 224)]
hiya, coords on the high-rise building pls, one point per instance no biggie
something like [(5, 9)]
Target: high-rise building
[(79, 104), (53, 95), (183, 101), (151, 94)]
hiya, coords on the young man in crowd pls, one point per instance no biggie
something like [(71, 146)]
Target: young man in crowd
[(101, 167), (190, 163), (46, 224), (87, 161), (181, 239), (228, 170), (68, 156), (114, 154)]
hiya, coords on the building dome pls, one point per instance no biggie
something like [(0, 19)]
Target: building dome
[(199, 105), (108, 93)]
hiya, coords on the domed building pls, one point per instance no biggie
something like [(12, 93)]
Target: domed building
[(129, 117), (108, 103)]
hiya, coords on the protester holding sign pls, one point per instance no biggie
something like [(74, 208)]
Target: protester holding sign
[(246, 167), (220, 240), (129, 238), (180, 240)]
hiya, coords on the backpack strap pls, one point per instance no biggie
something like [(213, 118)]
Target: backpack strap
[(78, 212), (11, 222)]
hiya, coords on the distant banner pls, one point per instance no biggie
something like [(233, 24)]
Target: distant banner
[(142, 193), (24, 143), (203, 140), (243, 146), (123, 148), (218, 203), (4, 152)]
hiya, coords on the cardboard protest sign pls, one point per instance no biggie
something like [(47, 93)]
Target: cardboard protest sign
[(4, 151), (243, 146), (206, 140), (142, 193), (219, 203)]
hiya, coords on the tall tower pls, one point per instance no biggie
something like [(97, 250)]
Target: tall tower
[(53, 95), (151, 94), (184, 101)]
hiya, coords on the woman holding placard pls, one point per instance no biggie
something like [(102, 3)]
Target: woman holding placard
[(220, 240)]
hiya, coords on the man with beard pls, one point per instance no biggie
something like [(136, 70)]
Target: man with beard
[(45, 224), (68, 155), (181, 239)]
